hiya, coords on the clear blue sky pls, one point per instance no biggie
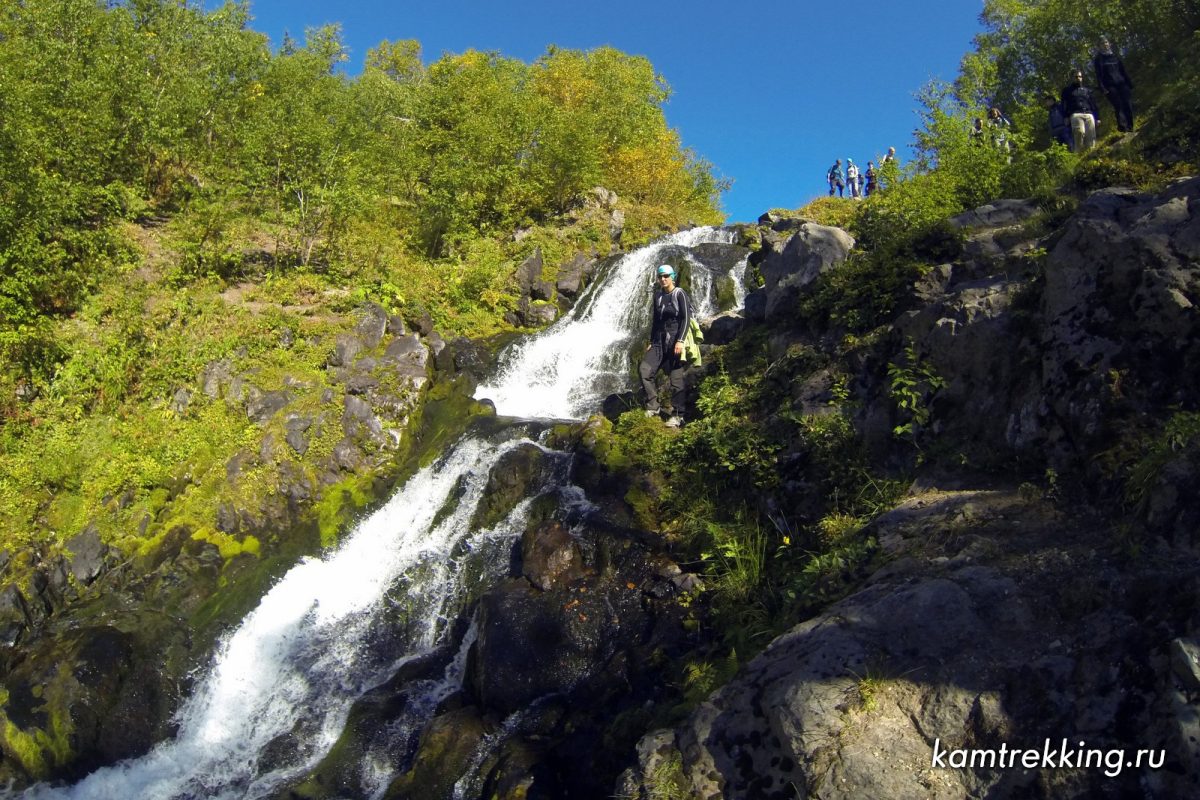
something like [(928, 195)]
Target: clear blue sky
[(770, 92)]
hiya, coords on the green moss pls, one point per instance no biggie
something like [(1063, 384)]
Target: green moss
[(228, 546), (337, 505)]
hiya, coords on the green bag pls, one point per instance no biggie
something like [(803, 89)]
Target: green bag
[(691, 343)]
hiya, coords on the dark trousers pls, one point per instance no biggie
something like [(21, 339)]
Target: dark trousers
[(1121, 98), (656, 358)]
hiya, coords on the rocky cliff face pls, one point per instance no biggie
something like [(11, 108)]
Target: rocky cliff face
[(1000, 621)]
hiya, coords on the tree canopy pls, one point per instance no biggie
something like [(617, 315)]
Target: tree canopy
[(111, 111)]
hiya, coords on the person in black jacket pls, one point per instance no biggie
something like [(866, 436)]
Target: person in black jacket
[(1060, 131), (1080, 108), (672, 311), (1115, 83)]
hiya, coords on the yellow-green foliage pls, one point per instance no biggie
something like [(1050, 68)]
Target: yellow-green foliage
[(227, 545), (836, 211), (837, 527)]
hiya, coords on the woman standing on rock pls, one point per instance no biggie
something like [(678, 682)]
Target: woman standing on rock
[(672, 312)]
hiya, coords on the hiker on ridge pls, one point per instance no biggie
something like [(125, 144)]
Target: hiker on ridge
[(1060, 131), (835, 177), (872, 179), (1080, 108), (1115, 83), (852, 178), (672, 312)]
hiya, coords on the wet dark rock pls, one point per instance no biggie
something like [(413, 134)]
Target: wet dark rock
[(615, 405), (472, 358), (379, 722), (516, 475), (115, 699), (88, 554), (447, 747), (720, 257), (550, 556), (14, 616), (372, 324), (528, 647), (755, 307)]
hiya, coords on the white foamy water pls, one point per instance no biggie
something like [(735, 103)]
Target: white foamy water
[(563, 371), (301, 657)]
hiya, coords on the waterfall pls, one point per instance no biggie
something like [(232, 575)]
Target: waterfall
[(565, 370), (294, 666)]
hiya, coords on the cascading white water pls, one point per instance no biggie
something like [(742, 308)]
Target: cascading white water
[(295, 665), (563, 371), (302, 657)]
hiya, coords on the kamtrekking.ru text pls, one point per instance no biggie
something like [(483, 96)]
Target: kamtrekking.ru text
[(1050, 756)]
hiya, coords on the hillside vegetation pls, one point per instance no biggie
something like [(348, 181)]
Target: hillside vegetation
[(172, 191)]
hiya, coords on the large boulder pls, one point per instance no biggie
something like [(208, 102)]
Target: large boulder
[(791, 266), (574, 274), (530, 281)]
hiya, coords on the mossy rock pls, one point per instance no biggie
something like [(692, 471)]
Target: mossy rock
[(514, 477), (448, 744)]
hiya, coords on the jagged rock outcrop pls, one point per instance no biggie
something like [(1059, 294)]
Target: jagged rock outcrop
[(996, 623), (1066, 338), (792, 262)]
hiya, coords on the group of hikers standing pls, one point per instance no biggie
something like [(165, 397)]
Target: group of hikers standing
[(861, 184), (1073, 116)]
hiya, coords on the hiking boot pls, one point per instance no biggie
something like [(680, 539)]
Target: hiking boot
[(674, 421)]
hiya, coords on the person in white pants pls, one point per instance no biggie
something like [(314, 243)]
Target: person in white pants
[(1080, 108)]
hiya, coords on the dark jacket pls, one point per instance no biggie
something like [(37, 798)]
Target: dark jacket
[(1060, 127), (1077, 99), (1110, 72), (672, 312)]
